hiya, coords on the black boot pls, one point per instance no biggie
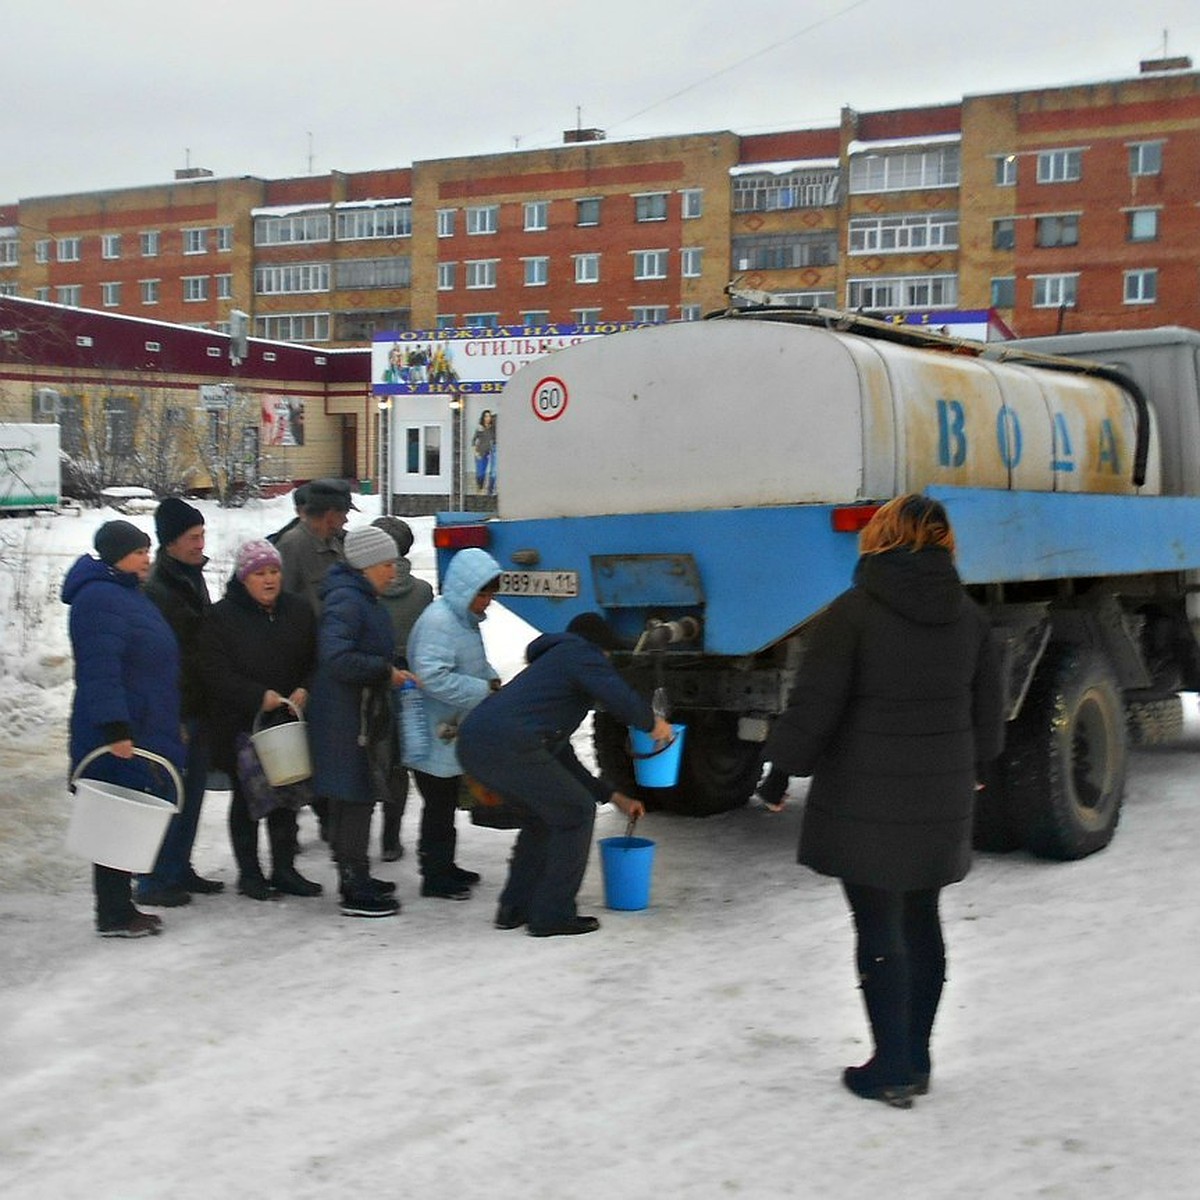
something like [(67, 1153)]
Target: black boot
[(360, 899), (888, 1074), (290, 882)]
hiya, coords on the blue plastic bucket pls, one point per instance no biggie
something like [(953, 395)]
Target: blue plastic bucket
[(656, 766), (627, 863)]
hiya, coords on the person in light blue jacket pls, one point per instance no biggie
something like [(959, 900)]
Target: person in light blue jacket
[(446, 653)]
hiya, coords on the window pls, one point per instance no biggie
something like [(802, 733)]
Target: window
[(445, 222), (195, 287), (284, 231), (537, 215), (650, 207), (691, 201), (587, 268), (689, 312), (224, 237), (359, 325), (149, 289), (897, 292), (110, 295), (690, 261), (118, 426), (587, 212), (783, 251), (895, 172), (481, 273), (1145, 158), (535, 318), (654, 314), (383, 221), (70, 294), (293, 327), (41, 250), (9, 251), (1055, 291), (1059, 166), (487, 320), (537, 272), (224, 287), (150, 238), (195, 241), (484, 218), (373, 272), (423, 450), (813, 299), (767, 192), (894, 235), (1060, 230), (1004, 291), (110, 245), (1006, 171), (587, 316), (446, 273), (41, 293), (67, 249), (1141, 225), (1141, 287), (291, 278), (8, 287), (445, 321), (1004, 234), (650, 264)]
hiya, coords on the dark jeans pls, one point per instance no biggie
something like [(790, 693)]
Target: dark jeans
[(243, 835), (438, 837), (551, 852), (351, 822), (393, 800), (174, 864)]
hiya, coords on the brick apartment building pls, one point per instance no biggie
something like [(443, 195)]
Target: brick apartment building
[(1064, 208)]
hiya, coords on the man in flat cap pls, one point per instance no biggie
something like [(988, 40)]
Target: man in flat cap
[(314, 544)]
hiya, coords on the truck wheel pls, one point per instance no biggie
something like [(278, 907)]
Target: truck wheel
[(1065, 765), (719, 770), (1155, 722)]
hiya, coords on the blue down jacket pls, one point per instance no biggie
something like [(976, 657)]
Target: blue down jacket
[(355, 648), (127, 668), (445, 651)]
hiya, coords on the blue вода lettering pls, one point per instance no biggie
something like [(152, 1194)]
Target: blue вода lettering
[(1109, 455), (952, 438), (1008, 436), (1064, 456)]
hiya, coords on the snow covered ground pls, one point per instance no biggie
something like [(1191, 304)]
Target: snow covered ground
[(691, 1050)]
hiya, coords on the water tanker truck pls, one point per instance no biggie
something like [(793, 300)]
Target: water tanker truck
[(702, 484)]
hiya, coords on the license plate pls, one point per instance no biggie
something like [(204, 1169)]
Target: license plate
[(539, 583)]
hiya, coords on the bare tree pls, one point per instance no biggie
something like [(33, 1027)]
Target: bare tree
[(226, 442)]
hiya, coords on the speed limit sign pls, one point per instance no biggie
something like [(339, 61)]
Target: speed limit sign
[(549, 398)]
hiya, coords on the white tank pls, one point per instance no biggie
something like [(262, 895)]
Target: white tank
[(737, 413)]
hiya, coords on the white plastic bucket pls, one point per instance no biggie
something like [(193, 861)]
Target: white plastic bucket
[(283, 749), (120, 827)]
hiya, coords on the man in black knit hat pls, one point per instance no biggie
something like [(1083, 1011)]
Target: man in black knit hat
[(177, 587)]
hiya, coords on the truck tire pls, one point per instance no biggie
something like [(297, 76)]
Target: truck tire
[(1155, 722), (718, 773), (1064, 768)]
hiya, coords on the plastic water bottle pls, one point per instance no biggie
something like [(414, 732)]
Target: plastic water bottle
[(414, 728)]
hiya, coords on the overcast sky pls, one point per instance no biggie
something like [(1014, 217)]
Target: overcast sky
[(121, 93)]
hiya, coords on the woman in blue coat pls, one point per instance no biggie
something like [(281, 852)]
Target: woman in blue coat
[(350, 708), (445, 649), (127, 667), (518, 742)]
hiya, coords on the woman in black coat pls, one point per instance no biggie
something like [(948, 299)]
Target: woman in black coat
[(258, 650), (896, 707)]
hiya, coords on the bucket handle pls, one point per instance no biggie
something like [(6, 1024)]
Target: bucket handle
[(653, 753), (140, 753), (258, 716)]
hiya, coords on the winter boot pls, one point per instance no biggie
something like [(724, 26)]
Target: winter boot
[(888, 1074), (360, 899)]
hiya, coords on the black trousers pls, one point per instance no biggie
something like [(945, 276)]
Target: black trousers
[(243, 835), (438, 837), (901, 959), (351, 821)]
